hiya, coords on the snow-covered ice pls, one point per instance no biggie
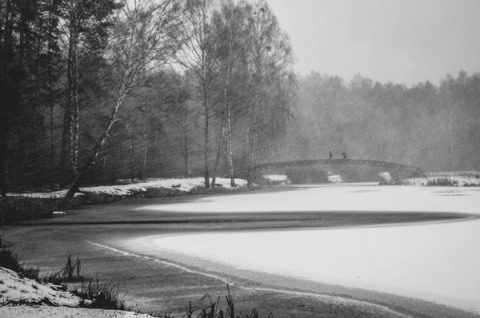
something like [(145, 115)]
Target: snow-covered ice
[(415, 261), (342, 197), (432, 261)]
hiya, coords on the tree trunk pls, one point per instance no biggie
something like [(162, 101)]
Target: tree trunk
[(207, 137), (70, 122), (104, 166), (50, 103), (226, 132), (122, 92), (452, 153), (185, 155), (145, 150), (221, 143), (228, 123), (184, 129), (5, 30), (253, 142), (65, 151), (132, 159), (229, 151), (52, 157), (3, 164), (72, 100)]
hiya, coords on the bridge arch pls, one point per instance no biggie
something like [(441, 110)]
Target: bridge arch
[(391, 166)]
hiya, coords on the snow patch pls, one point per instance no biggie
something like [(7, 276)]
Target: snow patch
[(386, 176), (335, 178), (15, 289), (65, 312), (26, 298), (276, 178), (445, 179), (184, 185)]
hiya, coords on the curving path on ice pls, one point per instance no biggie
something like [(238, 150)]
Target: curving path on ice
[(433, 261)]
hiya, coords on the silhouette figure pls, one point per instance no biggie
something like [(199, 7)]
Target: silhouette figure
[(344, 155), (330, 155)]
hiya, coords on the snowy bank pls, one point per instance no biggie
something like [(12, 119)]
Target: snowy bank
[(445, 179), (17, 290), (182, 185), (23, 297), (65, 312)]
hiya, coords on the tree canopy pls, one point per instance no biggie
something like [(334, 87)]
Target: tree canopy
[(95, 91)]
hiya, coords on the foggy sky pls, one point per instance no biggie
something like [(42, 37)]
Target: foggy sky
[(402, 41)]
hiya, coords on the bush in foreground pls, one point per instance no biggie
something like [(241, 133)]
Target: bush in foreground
[(9, 259), (97, 295), (212, 309)]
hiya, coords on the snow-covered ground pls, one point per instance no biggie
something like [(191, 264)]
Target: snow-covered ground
[(184, 185), (26, 298), (433, 261)]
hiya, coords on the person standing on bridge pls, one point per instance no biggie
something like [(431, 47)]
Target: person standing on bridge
[(330, 155), (344, 155)]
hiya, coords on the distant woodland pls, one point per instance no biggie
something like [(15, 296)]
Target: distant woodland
[(433, 127), (92, 91)]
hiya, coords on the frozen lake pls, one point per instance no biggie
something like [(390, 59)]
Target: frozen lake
[(436, 261)]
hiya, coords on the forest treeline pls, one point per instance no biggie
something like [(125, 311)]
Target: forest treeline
[(97, 90), (433, 127)]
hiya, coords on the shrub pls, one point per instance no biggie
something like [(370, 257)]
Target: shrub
[(442, 182), (97, 295), (92, 292), (211, 309), (70, 273), (9, 259), (16, 209)]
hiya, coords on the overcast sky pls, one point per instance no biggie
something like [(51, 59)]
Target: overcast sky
[(401, 41)]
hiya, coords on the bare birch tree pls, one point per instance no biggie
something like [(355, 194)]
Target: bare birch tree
[(269, 59), (81, 20), (145, 35), (230, 30), (197, 57)]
